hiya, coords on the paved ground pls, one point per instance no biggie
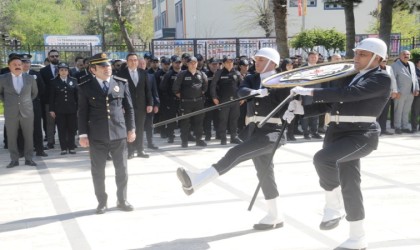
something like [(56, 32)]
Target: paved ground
[(52, 206)]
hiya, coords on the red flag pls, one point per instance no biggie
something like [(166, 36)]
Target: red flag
[(300, 7)]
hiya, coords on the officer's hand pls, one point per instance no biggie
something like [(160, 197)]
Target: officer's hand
[(261, 92), (216, 101), (394, 95), (301, 91), (149, 109), (288, 116), (84, 142), (155, 109), (296, 107), (241, 102), (131, 136), (52, 114)]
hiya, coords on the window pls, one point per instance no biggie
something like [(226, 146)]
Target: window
[(163, 19), (333, 5), (178, 12), (309, 3)]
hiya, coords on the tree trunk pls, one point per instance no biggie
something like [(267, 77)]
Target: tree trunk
[(385, 21), (121, 22), (350, 29), (280, 26)]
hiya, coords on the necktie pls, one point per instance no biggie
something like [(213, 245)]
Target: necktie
[(55, 70), (105, 87)]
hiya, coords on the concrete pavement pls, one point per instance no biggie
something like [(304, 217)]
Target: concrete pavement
[(52, 206)]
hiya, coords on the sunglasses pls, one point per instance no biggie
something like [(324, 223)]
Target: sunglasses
[(56, 56)]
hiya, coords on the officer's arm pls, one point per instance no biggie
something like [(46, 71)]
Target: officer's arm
[(34, 91), (177, 84), (128, 108), (245, 87)]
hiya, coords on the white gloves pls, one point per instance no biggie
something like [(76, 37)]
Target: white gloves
[(261, 92), (301, 91), (295, 108)]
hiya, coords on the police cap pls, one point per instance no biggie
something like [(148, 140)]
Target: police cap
[(147, 55), (226, 58), (175, 58), (165, 61), (199, 57), (192, 59), (244, 62), (25, 57), (213, 60), (62, 66), (100, 59), (155, 59), (185, 55)]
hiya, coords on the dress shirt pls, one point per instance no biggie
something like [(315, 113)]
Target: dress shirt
[(17, 82)]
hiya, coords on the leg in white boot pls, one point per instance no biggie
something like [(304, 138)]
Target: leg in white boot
[(357, 239), (333, 210), (273, 219), (193, 181)]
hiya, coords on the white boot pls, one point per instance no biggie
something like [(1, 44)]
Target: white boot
[(194, 181), (357, 239), (273, 219), (333, 210)]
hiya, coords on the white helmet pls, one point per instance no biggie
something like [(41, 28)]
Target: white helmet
[(374, 45), (269, 53)]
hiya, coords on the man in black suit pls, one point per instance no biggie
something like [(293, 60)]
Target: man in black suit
[(79, 66), (48, 73), (142, 101), (148, 124), (105, 115)]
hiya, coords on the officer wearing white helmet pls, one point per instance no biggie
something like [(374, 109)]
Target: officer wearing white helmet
[(258, 143), (352, 134)]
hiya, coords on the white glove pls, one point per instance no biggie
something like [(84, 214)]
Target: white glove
[(301, 91), (288, 116), (296, 107), (261, 92)]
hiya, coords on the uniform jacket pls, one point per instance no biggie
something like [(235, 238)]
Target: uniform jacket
[(190, 86), (47, 77), (140, 95), (154, 90), (225, 84), (63, 96), (406, 82), (39, 82), (168, 96), (14, 103), (105, 117)]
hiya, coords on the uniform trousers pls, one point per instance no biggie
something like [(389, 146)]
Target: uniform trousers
[(148, 127), (209, 118), (229, 115), (139, 118), (196, 121), (402, 108), (12, 128), (66, 126), (384, 116), (50, 126), (258, 147), (171, 111), (415, 113), (38, 140), (99, 151), (309, 125), (338, 163)]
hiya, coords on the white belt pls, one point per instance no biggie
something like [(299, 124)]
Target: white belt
[(256, 119), (347, 118)]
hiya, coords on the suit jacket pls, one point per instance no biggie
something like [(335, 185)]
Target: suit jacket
[(154, 90), (14, 103), (105, 117), (406, 82), (39, 82), (140, 94), (63, 96), (47, 76)]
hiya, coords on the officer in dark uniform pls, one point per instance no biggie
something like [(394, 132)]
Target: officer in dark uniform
[(63, 108), (154, 66), (105, 115), (165, 66), (211, 116), (223, 89), (190, 86), (258, 146), (38, 141), (169, 101), (184, 58), (352, 134)]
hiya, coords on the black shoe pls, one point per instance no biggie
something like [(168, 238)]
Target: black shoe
[(223, 142), (142, 154), (290, 137), (267, 226), (13, 164), (152, 146), (163, 136), (171, 139), (236, 140), (201, 143), (331, 224), (307, 137), (30, 163), (45, 148), (101, 209), (386, 133), (63, 152), (72, 152), (124, 206), (185, 180), (184, 144), (42, 153), (321, 130), (191, 137), (406, 130), (207, 138), (298, 132), (317, 136), (50, 146), (130, 156), (398, 131)]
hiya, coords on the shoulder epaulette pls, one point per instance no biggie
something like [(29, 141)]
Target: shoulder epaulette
[(120, 79), (83, 81)]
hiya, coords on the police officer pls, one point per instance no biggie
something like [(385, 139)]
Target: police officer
[(63, 108), (223, 89), (258, 146), (190, 86), (243, 68), (185, 59), (352, 134), (105, 115), (165, 66), (211, 116), (169, 101), (154, 66)]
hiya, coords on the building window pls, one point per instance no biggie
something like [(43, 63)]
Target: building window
[(178, 12), (153, 4), (333, 5), (309, 3), (163, 19)]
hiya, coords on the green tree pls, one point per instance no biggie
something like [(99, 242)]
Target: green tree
[(256, 13), (29, 20), (330, 39)]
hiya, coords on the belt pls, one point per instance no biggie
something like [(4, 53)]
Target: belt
[(256, 119), (347, 118), (192, 99)]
